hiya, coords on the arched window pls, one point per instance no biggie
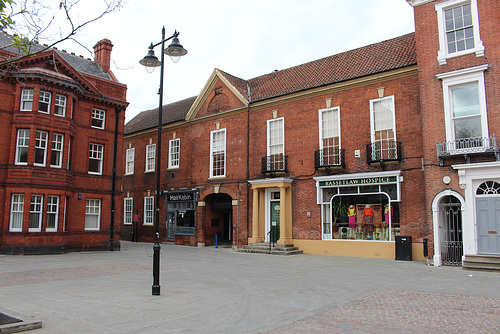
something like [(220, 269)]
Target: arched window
[(488, 188)]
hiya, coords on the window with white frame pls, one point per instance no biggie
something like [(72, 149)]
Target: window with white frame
[(149, 203), (22, 146), (35, 222), (276, 144), (57, 150), (174, 153), (95, 158), (44, 102), (458, 26), (383, 129), (98, 117), (52, 213), (466, 118), (329, 136), (218, 153), (92, 214), (129, 164), (41, 148), (150, 157), (27, 100), (16, 213), (128, 207), (60, 105)]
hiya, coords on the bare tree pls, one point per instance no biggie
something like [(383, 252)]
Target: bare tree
[(36, 21)]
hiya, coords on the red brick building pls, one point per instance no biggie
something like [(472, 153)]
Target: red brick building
[(458, 60), (337, 156), (63, 119)]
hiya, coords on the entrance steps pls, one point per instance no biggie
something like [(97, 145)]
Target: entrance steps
[(263, 248), (482, 262)]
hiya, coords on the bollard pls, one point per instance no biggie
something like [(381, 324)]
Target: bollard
[(216, 242)]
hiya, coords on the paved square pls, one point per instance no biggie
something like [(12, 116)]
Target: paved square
[(207, 290)]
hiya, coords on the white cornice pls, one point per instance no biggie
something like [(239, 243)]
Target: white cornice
[(415, 3)]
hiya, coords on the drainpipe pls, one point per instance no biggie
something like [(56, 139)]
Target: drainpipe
[(113, 182)]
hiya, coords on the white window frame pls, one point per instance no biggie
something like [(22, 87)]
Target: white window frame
[(282, 140), (458, 78), (92, 210), (36, 209), (174, 149), (321, 112), (41, 143), (149, 210), (443, 53), (129, 163), (98, 115), (27, 100), (150, 158), (22, 143), (60, 105), (57, 148), (96, 152), (372, 116), (128, 210), (217, 148), (52, 209), (16, 211), (44, 99)]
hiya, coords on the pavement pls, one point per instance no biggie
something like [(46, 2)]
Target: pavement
[(208, 290)]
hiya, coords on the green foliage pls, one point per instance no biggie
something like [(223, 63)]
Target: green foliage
[(6, 20), (339, 210)]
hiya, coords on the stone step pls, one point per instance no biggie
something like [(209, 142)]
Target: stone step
[(482, 262), (263, 248)]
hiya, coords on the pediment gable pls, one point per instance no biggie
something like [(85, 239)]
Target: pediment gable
[(219, 95), (51, 66)]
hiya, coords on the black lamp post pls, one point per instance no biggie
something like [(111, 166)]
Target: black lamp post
[(175, 51)]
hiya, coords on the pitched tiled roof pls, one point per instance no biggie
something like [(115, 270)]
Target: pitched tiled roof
[(376, 58), (171, 113), (80, 64), (380, 57)]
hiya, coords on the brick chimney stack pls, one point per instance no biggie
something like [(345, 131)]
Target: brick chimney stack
[(102, 51)]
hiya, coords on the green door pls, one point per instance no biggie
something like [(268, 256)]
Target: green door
[(274, 234)]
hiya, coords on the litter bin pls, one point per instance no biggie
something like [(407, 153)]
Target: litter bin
[(403, 248)]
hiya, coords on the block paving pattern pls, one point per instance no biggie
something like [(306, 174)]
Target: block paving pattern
[(395, 311)]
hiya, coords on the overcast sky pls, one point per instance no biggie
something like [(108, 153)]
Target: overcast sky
[(244, 38)]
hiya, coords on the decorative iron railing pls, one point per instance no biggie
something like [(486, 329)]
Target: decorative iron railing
[(275, 164), (383, 151), (329, 157), (467, 146)]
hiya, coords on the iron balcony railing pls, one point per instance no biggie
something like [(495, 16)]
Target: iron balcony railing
[(329, 158), (383, 151), (467, 146), (275, 164)]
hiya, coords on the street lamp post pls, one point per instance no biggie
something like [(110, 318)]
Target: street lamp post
[(175, 51)]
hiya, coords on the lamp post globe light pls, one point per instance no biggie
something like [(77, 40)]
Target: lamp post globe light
[(150, 61)]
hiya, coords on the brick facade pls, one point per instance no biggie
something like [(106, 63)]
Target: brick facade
[(52, 185), (404, 71)]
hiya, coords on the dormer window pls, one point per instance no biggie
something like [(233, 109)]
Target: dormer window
[(44, 102)]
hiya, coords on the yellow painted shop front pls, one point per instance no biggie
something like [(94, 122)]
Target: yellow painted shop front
[(359, 216)]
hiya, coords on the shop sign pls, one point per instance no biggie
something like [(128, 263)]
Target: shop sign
[(359, 182), (180, 197)]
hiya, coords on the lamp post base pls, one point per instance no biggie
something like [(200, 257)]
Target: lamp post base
[(156, 269)]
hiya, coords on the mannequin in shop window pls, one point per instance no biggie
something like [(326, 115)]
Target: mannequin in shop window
[(351, 213), (386, 219), (368, 215)]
